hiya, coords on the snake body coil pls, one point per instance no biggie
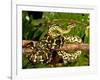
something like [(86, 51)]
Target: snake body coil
[(44, 50)]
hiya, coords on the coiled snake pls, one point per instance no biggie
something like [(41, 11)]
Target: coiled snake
[(44, 51)]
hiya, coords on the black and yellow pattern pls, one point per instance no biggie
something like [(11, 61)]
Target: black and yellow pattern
[(45, 50)]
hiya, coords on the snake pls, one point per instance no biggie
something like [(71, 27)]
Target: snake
[(44, 50)]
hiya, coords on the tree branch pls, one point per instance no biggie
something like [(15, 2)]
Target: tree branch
[(74, 47), (65, 47)]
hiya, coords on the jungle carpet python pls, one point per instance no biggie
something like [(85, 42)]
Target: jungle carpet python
[(44, 51)]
